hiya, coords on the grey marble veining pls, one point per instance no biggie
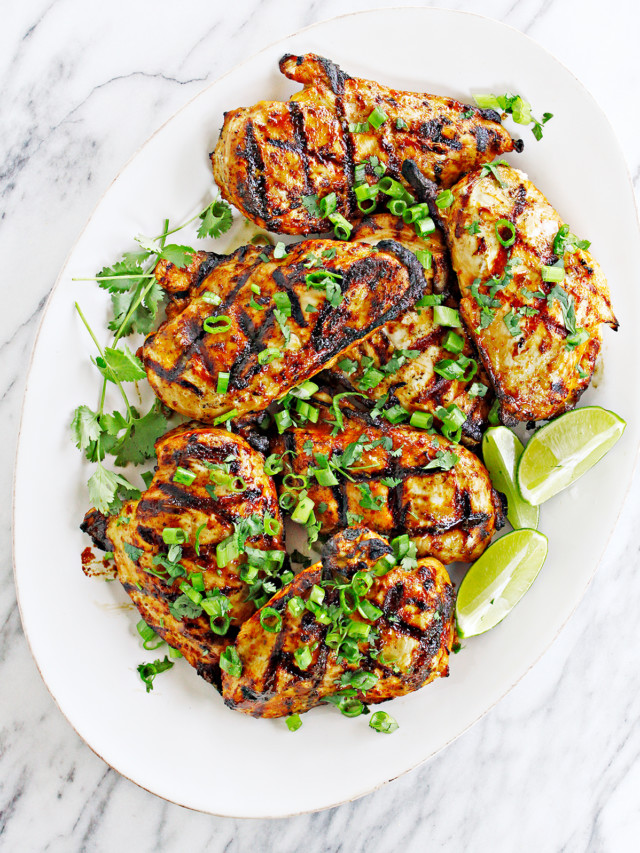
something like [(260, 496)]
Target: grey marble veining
[(555, 766)]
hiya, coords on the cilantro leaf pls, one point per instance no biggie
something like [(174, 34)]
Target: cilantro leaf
[(85, 427), (368, 500), (311, 204), (132, 552), (138, 444), (444, 460), (184, 608), (107, 490), (216, 219), (148, 671), (120, 364), (391, 482), (179, 256)]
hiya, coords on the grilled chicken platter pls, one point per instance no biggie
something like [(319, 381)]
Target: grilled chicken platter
[(256, 325), (355, 378), (395, 480), (312, 648), (273, 158), (532, 299)]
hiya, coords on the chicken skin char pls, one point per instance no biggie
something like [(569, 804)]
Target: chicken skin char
[(136, 534), (407, 646), (184, 361), (271, 156), (415, 385), (521, 325), (449, 514)]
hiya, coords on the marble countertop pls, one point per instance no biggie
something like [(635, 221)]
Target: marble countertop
[(555, 765)]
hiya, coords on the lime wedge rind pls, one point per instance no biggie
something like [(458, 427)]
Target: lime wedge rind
[(560, 452), (498, 580), (501, 450)]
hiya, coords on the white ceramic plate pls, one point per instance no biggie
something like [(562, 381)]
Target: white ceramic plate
[(180, 741)]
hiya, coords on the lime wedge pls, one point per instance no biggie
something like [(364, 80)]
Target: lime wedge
[(501, 450), (497, 581), (564, 450)]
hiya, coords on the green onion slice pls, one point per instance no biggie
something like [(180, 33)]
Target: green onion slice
[(270, 620), (505, 232), (217, 325)]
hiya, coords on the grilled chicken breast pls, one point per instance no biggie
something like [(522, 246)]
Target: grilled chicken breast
[(271, 156), (399, 480), (229, 494), (537, 339), (278, 322), (416, 344), (403, 648)]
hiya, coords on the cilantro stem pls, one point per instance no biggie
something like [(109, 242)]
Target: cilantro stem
[(101, 351), (179, 227), (115, 277)]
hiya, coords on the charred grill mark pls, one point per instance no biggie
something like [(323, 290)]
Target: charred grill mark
[(212, 261), (300, 138), (336, 77), (520, 202), (285, 283), (252, 189), (432, 130), (246, 365), (482, 138), (342, 504), (95, 525), (176, 500)]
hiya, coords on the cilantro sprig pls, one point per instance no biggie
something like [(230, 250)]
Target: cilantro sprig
[(136, 299)]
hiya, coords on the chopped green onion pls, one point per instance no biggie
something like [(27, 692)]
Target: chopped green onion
[(190, 592), (552, 273), (174, 536), (148, 671), (377, 118), (401, 124), (270, 620), (196, 544), (210, 298), (358, 630), (226, 552), (230, 662), (272, 526), (328, 204), (303, 510), (365, 192), (422, 420), (445, 316), (424, 227), (232, 413), (369, 610), (223, 383), (342, 228), (296, 605), (396, 414), (283, 420), (358, 127), (302, 657), (501, 226), (283, 303), (415, 212), (444, 199), (494, 413), (174, 653), (383, 722), (317, 594), (393, 188), (453, 342), (266, 356), (487, 102), (425, 257), (290, 481), (217, 325), (183, 476), (273, 464), (397, 206), (348, 600), (325, 477), (579, 337), (306, 411), (293, 722), (279, 252), (361, 583), (477, 389), (384, 565), (197, 581)]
